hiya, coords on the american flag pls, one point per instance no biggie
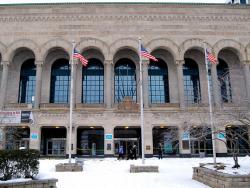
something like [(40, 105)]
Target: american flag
[(145, 53), (79, 56), (210, 57)]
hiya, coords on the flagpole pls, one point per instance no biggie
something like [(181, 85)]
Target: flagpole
[(210, 106), (141, 106), (71, 101)]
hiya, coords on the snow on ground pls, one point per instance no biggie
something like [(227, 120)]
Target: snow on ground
[(112, 173)]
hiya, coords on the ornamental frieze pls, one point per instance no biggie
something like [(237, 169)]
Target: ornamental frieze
[(122, 18)]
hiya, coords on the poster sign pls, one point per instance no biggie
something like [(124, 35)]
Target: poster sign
[(27, 117), (34, 136), (221, 136), (108, 137), (185, 135), (10, 117)]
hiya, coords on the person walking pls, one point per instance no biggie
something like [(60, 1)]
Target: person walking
[(134, 152), (160, 151), (121, 152)]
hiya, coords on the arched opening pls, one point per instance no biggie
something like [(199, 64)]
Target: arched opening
[(128, 137), (27, 83), (17, 138), (125, 80), (224, 81), (93, 82), (60, 81), (158, 82), (192, 91), (90, 141), (53, 141), (167, 138)]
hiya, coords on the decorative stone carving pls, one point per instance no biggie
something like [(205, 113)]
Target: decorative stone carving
[(128, 105)]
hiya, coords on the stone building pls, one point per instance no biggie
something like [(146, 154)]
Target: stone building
[(36, 48)]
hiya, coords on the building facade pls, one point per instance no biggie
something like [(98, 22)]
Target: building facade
[(36, 48)]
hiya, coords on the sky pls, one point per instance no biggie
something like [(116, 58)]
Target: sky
[(56, 1)]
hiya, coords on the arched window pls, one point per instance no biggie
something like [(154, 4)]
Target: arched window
[(191, 82), (60, 81), (224, 80), (27, 82), (125, 79), (93, 82), (158, 82)]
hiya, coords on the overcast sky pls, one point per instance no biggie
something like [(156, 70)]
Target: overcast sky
[(55, 1)]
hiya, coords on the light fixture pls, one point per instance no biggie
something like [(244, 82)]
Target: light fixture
[(126, 127), (92, 127), (57, 127)]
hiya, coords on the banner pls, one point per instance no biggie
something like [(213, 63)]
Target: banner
[(10, 117)]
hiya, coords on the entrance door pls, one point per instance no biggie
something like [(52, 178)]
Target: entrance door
[(127, 143), (56, 147)]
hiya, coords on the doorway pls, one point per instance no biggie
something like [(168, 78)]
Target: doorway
[(127, 137)]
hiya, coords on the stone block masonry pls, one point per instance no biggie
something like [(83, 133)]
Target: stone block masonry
[(217, 179)]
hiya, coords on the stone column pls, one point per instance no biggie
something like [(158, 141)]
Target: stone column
[(220, 146), (184, 138), (108, 83), (109, 149), (35, 137), (247, 79), (4, 81), (145, 64), (148, 139), (38, 84), (215, 85), (179, 64), (73, 140)]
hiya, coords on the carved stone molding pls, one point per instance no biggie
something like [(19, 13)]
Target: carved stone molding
[(126, 18)]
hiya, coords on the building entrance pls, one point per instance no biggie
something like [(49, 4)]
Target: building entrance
[(53, 141), (56, 146), (127, 137), (127, 144)]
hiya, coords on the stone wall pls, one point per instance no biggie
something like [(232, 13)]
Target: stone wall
[(217, 179), (46, 183)]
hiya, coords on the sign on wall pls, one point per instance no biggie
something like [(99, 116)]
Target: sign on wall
[(34, 136), (10, 117), (108, 137)]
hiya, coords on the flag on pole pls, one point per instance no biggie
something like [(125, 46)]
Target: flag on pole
[(145, 53), (210, 57), (79, 56)]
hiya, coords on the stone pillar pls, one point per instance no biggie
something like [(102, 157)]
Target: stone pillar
[(215, 85), (247, 80), (184, 138), (108, 83), (148, 139), (145, 64), (180, 82), (38, 84), (4, 81), (35, 137), (220, 143), (2, 138), (73, 140), (109, 149)]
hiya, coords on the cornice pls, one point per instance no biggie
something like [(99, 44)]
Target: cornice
[(153, 17)]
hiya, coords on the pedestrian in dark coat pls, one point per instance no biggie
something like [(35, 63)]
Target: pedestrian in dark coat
[(134, 152), (130, 155), (160, 151)]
